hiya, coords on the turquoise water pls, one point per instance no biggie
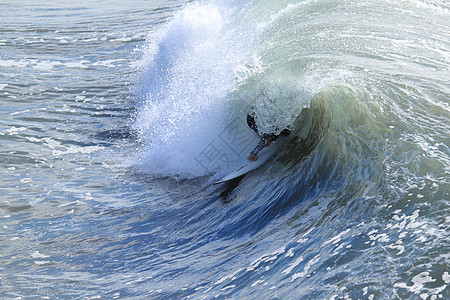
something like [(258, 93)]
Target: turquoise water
[(116, 118)]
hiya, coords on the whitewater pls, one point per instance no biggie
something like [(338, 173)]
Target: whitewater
[(117, 118)]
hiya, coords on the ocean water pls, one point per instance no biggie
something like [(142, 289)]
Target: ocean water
[(118, 116)]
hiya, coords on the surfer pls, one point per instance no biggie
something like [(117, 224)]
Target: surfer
[(265, 139)]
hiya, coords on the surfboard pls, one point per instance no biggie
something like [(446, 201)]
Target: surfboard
[(247, 166)]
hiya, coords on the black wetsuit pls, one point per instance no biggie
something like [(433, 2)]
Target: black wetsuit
[(262, 142)]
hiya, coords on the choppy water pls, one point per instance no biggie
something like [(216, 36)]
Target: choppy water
[(117, 117)]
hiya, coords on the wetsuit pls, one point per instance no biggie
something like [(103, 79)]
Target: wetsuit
[(264, 137)]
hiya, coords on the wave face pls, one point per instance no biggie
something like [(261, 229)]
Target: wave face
[(361, 183), (109, 163)]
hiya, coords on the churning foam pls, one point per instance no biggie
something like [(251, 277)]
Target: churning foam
[(187, 75)]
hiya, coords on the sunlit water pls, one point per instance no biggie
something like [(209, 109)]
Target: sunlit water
[(117, 117)]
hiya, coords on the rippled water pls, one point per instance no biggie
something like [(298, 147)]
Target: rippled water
[(117, 117)]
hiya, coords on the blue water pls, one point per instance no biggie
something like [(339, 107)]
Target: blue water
[(116, 119)]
